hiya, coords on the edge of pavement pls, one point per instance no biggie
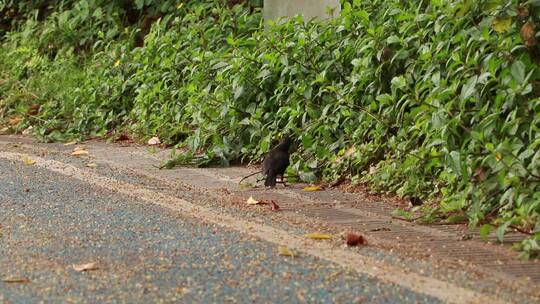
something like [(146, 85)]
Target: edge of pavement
[(260, 223)]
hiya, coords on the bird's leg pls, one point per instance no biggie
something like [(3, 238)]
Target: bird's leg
[(282, 180)]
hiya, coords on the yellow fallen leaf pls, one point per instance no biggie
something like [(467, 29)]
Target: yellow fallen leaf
[(91, 165), (85, 267), (71, 143), (252, 201), (282, 250), (79, 153), (318, 236), (501, 25), (312, 188), (28, 161)]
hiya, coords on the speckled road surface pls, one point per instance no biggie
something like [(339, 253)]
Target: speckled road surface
[(146, 253)]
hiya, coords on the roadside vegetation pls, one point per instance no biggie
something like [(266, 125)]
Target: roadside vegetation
[(434, 99)]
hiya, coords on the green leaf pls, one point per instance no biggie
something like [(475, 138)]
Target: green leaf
[(455, 162), (402, 213), (469, 88), (501, 230), (518, 71), (399, 82), (485, 230)]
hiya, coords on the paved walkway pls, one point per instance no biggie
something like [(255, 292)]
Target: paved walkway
[(149, 228)]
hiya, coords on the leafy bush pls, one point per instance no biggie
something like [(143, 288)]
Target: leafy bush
[(438, 99)]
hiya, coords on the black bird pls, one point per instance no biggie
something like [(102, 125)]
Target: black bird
[(276, 162)]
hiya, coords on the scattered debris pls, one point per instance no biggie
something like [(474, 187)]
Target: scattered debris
[(71, 143), (354, 239), (91, 165), (4, 131), (252, 201), (285, 251), (318, 236), (85, 267), (20, 280), (381, 229), (154, 141), (275, 207), (313, 188), (28, 161), (78, 152), (27, 131)]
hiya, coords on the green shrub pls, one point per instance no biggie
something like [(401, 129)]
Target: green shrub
[(438, 99)]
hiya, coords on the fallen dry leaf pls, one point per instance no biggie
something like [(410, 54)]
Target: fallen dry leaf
[(28, 130), (33, 109), (21, 280), (528, 34), (282, 250), (318, 236), (14, 121), (312, 188), (252, 201), (4, 131), (274, 207), (85, 267), (354, 239), (71, 143), (28, 161), (154, 141), (91, 165), (79, 152)]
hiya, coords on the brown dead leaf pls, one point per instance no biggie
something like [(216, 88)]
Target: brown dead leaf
[(480, 174), (274, 206), (285, 251), (528, 34), (523, 12), (13, 121), (354, 239), (33, 109), (313, 188), (20, 280), (85, 267), (318, 236)]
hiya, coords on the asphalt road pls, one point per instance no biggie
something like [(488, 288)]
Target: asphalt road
[(146, 254)]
